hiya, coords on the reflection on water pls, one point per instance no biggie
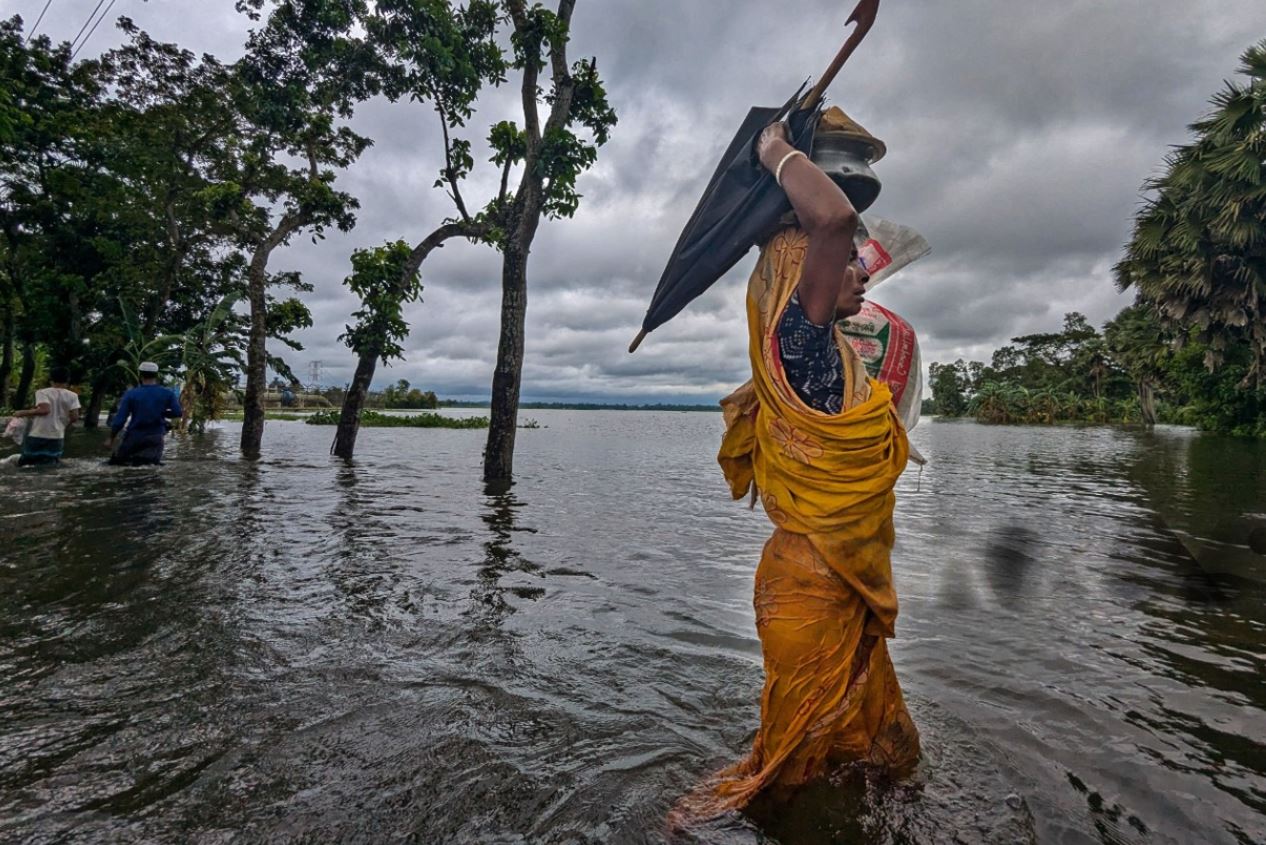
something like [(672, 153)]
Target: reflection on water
[(502, 558), (299, 650)]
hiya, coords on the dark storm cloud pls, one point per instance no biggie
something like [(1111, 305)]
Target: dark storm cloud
[(1019, 134)]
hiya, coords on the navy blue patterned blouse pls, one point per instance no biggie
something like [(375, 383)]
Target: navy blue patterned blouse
[(810, 359)]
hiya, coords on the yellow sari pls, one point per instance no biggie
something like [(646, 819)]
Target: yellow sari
[(824, 599)]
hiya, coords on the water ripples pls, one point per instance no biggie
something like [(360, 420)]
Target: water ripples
[(297, 650)]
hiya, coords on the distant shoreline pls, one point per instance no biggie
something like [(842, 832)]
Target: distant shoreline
[(583, 406)]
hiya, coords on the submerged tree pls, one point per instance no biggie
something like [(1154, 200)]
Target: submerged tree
[(431, 52), (442, 54), (1198, 252), (553, 154), (304, 70), (140, 189), (379, 330), (168, 124)]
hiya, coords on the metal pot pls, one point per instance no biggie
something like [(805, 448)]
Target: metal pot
[(846, 159)]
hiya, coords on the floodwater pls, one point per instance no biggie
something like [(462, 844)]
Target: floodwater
[(299, 651)]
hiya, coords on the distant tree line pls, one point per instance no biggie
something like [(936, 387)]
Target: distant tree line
[(1133, 372), (402, 395), (1192, 348)]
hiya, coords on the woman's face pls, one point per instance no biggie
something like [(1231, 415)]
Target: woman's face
[(852, 292)]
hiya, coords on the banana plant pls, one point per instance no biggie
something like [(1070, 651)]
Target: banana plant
[(990, 404), (210, 356), (137, 349), (1043, 406)]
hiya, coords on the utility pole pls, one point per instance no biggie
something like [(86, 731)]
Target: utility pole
[(314, 375)]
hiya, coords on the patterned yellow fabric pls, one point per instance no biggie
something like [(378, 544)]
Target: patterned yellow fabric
[(824, 596)]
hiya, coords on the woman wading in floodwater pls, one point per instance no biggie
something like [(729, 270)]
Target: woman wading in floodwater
[(822, 446)]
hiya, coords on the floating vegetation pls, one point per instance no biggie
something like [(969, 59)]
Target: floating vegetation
[(238, 416), (373, 419)]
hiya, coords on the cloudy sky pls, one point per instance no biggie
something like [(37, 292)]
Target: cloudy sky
[(1019, 133)]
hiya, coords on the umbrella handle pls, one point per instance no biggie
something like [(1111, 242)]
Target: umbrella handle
[(637, 341), (864, 17)]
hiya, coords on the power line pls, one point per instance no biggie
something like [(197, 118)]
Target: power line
[(31, 32), (94, 29), (91, 15)]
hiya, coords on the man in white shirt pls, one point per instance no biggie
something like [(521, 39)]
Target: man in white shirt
[(55, 408)]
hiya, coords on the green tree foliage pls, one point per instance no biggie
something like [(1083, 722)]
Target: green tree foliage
[(950, 386), (1137, 341), (385, 282), (1048, 377), (1193, 346), (1218, 401), (140, 347), (1198, 252), (126, 209), (443, 54), (1073, 358), (402, 395), (375, 278), (55, 193)]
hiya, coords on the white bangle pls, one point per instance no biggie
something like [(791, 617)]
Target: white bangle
[(788, 157)]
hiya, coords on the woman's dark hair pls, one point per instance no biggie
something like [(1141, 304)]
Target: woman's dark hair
[(59, 375)]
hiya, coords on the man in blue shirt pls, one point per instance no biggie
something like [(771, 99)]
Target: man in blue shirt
[(148, 406)]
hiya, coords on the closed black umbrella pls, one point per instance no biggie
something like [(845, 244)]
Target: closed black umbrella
[(742, 204)]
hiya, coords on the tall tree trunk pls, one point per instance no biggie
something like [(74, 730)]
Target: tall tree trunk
[(523, 220), (21, 396), (353, 403), (6, 357), (172, 265), (256, 356), (1147, 402), (256, 344), (96, 398), (506, 379)]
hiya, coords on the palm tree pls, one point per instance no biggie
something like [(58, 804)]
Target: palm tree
[(1019, 403), (1095, 360), (1001, 402), (1198, 253)]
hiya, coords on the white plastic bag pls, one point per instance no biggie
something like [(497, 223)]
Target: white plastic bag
[(16, 430), (888, 248)]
